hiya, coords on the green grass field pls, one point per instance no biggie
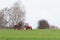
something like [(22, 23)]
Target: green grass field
[(42, 34)]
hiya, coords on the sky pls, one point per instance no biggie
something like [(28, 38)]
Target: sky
[(37, 10)]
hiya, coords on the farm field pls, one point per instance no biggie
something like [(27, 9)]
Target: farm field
[(42, 34)]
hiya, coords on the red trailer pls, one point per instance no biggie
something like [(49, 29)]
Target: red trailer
[(17, 27)]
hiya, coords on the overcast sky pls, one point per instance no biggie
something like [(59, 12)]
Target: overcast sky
[(37, 10)]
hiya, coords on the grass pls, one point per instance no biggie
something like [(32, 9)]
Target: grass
[(42, 34)]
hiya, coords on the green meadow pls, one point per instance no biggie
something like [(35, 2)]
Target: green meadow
[(42, 34)]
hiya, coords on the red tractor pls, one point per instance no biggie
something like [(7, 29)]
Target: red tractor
[(27, 26), (17, 27)]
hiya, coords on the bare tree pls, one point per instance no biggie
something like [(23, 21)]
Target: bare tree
[(12, 16), (16, 14), (1, 17)]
